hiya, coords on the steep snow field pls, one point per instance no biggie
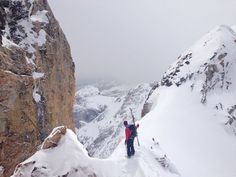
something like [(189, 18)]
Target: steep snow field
[(191, 134), (194, 115)]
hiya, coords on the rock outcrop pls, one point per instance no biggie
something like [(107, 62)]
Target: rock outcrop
[(36, 79), (53, 140), (52, 162)]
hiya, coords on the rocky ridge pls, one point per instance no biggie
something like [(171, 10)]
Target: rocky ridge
[(208, 67)]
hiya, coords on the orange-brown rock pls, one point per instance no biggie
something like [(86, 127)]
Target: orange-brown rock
[(52, 141), (24, 122)]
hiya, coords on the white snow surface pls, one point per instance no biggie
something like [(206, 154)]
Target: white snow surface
[(37, 75), (70, 158), (234, 28), (36, 95), (87, 91), (1, 170), (29, 61), (40, 16), (41, 40), (192, 136), (7, 43)]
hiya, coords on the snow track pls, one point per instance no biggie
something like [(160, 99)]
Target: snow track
[(144, 163)]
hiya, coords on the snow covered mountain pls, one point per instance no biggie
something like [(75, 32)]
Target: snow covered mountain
[(189, 132), (100, 110), (209, 67), (194, 114)]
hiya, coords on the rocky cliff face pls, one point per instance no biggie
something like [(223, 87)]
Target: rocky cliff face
[(36, 78)]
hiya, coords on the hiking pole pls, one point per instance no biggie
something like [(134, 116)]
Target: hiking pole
[(133, 118)]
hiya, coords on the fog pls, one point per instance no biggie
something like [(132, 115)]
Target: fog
[(135, 40)]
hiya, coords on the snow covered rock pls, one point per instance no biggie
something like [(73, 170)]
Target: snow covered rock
[(53, 140), (70, 159), (37, 78), (100, 111)]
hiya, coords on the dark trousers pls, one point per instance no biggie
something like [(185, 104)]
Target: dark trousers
[(130, 147)]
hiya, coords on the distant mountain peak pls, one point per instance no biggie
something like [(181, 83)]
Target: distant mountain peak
[(208, 62)]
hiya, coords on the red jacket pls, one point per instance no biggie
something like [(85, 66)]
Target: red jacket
[(128, 132)]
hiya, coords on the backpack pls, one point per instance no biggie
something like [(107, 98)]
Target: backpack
[(133, 130)]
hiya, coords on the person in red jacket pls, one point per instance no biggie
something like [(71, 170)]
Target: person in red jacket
[(129, 139)]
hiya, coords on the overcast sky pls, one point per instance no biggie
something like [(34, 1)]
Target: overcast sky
[(135, 40)]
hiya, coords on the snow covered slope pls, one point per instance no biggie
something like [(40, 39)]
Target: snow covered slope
[(69, 159), (100, 110), (194, 116), (234, 28)]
